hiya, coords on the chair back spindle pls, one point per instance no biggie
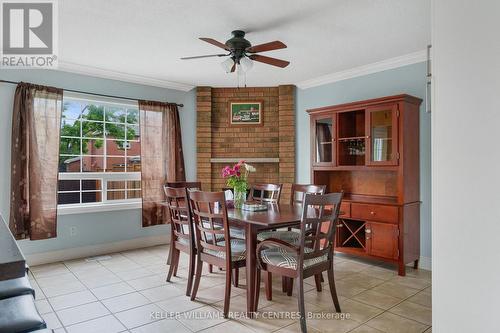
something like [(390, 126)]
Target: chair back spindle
[(299, 190), (266, 193)]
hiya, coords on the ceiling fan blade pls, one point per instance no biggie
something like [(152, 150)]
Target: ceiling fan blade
[(269, 60), (216, 43), (204, 56), (276, 45)]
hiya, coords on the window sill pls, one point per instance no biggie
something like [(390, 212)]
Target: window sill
[(95, 208)]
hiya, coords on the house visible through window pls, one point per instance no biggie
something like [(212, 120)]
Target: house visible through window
[(99, 154)]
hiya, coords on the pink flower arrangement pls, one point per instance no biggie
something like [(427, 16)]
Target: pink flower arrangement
[(227, 171), (237, 175)]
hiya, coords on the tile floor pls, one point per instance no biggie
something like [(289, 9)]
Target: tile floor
[(127, 292)]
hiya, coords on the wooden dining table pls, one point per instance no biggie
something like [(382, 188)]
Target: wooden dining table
[(276, 216)]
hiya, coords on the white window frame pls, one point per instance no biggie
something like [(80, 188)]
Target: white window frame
[(104, 177)]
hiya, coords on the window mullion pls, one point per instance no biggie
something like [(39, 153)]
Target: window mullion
[(104, 189), (105, 150)]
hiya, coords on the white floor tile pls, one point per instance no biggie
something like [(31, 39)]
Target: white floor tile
[(51, 320), (162, 326), (71, 300), (107, 324), (125, 302), (140, 316), (112, 290), (43, 306), (162, 293), (82, 313), (147, 282)]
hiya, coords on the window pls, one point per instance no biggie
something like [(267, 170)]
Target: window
[(99, 153)]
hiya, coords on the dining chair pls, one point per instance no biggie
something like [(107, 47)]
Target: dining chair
[(268, 193), (213, 239), (181, 231), (311, 256), (298, 192), (189, 186)]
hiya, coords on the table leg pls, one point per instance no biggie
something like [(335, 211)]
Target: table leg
[(251, 245)]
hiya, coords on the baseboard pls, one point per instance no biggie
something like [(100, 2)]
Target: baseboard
[(93, 250), (425, 263)]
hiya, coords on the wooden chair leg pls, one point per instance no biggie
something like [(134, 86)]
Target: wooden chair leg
[(189, 286), (197, 277), (210, 268), (333, 291), (284, 284), (415, 264), (268, 282), (257, 289), (177, 257), (236, 277), (317, 280), (227, 295), (302, 309), (171, 269), (289, 291), (322, 278), (169, 258)]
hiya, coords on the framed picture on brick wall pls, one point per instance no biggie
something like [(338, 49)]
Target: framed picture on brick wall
[(246, 113)]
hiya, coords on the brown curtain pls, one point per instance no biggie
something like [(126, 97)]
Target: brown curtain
[(162, 159), (34, 161)]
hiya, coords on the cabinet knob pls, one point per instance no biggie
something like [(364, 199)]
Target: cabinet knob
[(372, 212), (367, 237), (368, 231), (367, 136), (340, 225)]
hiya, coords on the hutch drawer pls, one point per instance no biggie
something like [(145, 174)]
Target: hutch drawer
[(372, 212), (345, 209)]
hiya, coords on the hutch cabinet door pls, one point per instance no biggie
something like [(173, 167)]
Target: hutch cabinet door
[(323, 140), (382, 135), (382, 239)]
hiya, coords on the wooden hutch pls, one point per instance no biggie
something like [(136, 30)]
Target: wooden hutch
[(370, 150)]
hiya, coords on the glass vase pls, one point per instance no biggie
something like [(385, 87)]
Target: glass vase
[(239, 198)]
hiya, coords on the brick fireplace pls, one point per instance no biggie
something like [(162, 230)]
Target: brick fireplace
[(270, 148)]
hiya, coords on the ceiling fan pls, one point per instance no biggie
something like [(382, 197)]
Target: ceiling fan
[(241, 52)]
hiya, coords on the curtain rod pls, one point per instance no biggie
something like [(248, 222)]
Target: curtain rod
[(90, 93)]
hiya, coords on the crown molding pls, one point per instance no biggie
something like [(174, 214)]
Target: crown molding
[(70, 67), (407, 59)]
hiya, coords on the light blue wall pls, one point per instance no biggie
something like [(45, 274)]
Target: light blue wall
[(409, 79), (92, 228), (97, 228)]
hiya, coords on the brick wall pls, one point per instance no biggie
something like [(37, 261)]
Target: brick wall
[(275, 139)]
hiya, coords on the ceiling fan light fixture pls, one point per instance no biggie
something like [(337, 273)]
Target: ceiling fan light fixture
[(227, 65), (246, 64)]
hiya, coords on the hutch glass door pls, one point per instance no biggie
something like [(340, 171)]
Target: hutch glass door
[(382, 128), (324, 141)]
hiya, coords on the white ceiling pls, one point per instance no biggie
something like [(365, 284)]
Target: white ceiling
[(145, 39)]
